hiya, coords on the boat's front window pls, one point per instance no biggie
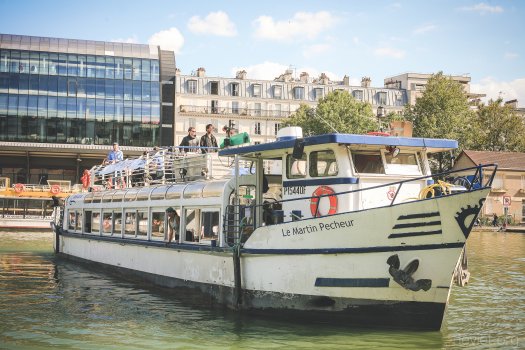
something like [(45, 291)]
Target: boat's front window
[(295, 168), (402, 163), (368, 162), (130, 223), (95, 222), (210, 224), (107, 223), (323, 163), (142, 217)]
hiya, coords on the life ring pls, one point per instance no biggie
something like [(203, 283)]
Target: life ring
[(19, 187), (85, 179), (55, 189), (320, 191)]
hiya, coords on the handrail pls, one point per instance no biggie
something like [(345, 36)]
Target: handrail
[(400, 183)]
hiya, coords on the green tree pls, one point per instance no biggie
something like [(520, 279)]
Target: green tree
[(498, 128), (339, 111), (443, 112)]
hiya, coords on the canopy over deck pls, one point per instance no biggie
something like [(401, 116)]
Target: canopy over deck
[(276, 149)]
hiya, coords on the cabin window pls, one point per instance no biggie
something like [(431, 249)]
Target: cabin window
[(142, 218), (191, 226), (368, 162), (323, 163), (130, 223), (403, 163), (295, 168), (72, 220), (95, 222), (87, 224), (117, 223), (209, 225), (78, 225), (157, 226), (107, 223)]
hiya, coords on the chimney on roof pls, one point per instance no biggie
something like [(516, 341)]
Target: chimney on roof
[(323, 79), (177, 71), (346, 80), (304, 77), (241, 74), (201, 72), (365, 82)]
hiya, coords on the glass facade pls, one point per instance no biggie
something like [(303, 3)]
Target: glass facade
[(66, 97)]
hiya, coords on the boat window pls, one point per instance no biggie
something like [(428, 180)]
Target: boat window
[(107, 223), (191, 225), (131, 194), (210, 225), (157, 226), (158, 193), (142, 218), (87, 224), (368, 162), (295, 168), (130, 223), (108, 196), (72, 220), (323, 163), (78, 226), (97, 196), (88, 197), (117, 196), (95, 222), (403, 163), (117, 223), (143, 195)]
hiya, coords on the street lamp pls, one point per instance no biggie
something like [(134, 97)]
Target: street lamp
[(380, 114)]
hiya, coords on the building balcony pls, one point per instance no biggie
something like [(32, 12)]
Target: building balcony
[(265, 113)]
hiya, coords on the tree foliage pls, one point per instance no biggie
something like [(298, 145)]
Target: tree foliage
[(337, 111), (498, 128), (443, 111)]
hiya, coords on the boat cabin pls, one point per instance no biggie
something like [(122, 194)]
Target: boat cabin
[(293, 178)]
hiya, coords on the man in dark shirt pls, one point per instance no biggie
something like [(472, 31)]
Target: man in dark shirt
[(208, 140), (190, 140)]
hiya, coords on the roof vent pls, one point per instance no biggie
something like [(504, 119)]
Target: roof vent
[(289, 133)]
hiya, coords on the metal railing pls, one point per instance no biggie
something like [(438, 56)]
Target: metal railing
[(252, 112), (237, 226)]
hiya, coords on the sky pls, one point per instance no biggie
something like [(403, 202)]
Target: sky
[(376, 39)]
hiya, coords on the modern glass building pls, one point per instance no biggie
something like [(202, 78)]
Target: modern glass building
[(63, 102), (84, 92)]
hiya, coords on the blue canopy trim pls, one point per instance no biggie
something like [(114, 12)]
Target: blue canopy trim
[(350, 139)]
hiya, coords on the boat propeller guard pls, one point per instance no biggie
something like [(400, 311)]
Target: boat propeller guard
[(404, 278)]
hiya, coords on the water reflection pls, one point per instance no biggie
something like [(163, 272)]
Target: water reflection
[(47, 302)]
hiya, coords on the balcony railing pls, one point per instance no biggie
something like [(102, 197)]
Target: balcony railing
[(234, 111)]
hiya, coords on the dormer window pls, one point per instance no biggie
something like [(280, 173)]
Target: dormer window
[(319, 93), (298, 93), (381, 98), (192, 86), (256, 90), (234, 89), (358, 94), (277, 91), (214, 87)]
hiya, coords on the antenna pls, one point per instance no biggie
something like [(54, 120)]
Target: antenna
[(324, 121)]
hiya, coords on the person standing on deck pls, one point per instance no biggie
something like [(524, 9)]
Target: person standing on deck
[(115, 155), (190, 140), (208, 140)]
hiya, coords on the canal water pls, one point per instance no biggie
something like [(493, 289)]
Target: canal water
[(48, 302)]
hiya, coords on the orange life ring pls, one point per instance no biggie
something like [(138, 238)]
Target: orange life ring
[(55, 189), (19, 187), (323, 190), (85, 179)]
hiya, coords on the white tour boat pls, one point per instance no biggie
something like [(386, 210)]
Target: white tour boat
[(352, 229)]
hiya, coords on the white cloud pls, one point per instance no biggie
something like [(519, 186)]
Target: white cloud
[(424, 29), (317, 49), (356, 40), (510, 55), (508, 90), (389, 52), (131, 40), (170, 39), (302, 25), (482, 8), (215, 23)]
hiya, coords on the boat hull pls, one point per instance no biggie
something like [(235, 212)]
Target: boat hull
[(382, 267)]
